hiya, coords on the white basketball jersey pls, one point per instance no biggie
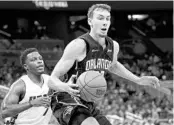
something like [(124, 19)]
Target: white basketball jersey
[(34, 115)]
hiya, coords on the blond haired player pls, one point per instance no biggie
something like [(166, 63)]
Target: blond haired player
[(91, 51)]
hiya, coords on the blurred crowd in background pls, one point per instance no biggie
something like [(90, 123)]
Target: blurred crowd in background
[(23, 31), (122, 97)]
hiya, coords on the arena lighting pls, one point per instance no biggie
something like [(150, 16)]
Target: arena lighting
[(137, 16), (47, 4), (77, 18)]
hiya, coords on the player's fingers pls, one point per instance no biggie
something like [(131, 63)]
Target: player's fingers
[(46, 100), (156, 81), (46, 105), (73, 77), (74, 92), (73, 85)]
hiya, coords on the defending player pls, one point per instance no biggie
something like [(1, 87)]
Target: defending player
[(27, 98)]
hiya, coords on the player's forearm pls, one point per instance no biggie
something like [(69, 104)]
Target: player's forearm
[(14, 109), (56, 84), (120, 70)]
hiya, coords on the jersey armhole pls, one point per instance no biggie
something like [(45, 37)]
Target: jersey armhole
[(76, 65), (23, 95), (87, 45), (113, 54), (113, 46)]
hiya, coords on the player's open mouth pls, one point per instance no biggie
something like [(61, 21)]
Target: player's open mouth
[(103, 29)]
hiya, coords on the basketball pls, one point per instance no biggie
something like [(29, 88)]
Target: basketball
[(92, 86)]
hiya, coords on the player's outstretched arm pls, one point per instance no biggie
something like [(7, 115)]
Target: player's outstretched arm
[(73, 51), (10, 106), (118, 69)]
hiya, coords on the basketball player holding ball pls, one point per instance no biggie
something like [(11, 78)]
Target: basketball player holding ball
[(89, 52)]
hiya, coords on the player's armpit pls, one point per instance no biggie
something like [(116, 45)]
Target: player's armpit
[(112, 68)]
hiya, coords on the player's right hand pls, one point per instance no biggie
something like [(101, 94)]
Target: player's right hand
[(41, 101), (72, 87)]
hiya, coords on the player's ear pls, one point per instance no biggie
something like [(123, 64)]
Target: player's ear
[(25, 67), (89, 22)]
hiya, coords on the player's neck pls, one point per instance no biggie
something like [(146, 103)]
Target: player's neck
[(37, 79), (100, 40)]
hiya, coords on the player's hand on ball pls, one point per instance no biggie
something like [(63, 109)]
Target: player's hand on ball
[(73, 88), (150, 81)]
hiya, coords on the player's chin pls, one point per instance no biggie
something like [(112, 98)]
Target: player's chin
[(103, 35), (40, 71)]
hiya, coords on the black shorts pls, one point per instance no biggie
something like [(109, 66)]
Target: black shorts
[(73, 111)]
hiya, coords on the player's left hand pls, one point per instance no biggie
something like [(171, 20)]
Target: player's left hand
[(149, 80), (72, 87)]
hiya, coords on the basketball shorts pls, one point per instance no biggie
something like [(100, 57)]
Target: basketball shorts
[(73, 111)]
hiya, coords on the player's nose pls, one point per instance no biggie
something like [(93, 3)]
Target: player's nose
[(105, 24), (40, 61)]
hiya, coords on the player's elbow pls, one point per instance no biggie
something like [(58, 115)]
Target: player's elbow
[(113, 67), (51, 82), (5, 113), (54, 83)]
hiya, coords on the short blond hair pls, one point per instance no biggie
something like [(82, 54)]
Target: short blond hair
[(96, 6)]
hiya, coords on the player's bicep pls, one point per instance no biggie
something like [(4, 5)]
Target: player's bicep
[(71, 53), (116, 51), (62, 66), (13, 95)]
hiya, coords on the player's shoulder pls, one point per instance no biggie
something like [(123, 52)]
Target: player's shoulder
[(76, 45), (45, 75), (18, 85), (115, 44), (116, 47), (79, 42), (19, 82)]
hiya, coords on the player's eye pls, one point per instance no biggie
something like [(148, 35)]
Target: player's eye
[(33, 59), (108, 18), (40, 58), (100, 18)]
